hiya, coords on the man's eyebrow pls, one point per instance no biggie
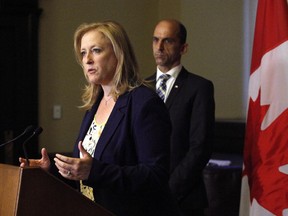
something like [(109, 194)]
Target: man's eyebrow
[(165, 38)]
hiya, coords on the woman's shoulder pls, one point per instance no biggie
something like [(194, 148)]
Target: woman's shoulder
[(141, 95), (144, 92)]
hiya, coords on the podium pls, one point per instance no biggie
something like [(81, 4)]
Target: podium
[(32, 191)]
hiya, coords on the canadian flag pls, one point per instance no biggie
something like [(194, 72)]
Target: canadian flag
[(265, 172)]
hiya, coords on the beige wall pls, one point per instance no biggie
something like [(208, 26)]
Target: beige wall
[(216, 50), (215, 38)]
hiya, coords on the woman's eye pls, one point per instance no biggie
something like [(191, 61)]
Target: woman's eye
[(96, 50), (83, 53)]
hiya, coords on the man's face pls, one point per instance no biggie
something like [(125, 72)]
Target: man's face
[(167, 49)]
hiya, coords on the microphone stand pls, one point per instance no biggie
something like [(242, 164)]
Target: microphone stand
[(29, 129), (37, 131)]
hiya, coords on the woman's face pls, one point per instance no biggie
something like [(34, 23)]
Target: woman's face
[(98, 58)]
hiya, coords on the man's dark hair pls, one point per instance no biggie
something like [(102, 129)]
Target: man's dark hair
[(182, 33)]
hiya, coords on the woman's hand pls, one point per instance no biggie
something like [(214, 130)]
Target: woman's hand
[(43, 163), (74, 168)]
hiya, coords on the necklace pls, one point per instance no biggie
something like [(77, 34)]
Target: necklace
[(107, 100)]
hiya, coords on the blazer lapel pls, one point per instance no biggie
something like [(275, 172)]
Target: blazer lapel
[(89, 116), (87, 120), (176, 87), (113, 122)]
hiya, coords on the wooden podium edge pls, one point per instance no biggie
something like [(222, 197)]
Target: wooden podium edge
[(9, 187), (37, 192)]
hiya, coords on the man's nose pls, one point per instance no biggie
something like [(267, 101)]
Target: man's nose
[(160, 45)]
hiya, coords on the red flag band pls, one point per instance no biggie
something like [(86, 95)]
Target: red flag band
[(265, 170)]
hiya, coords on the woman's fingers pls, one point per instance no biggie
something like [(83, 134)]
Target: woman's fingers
[(66, 165)]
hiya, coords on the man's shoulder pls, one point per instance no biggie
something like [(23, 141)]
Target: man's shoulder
[(193, 77)]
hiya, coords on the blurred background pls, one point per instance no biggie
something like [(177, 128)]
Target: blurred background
[(42, 83)]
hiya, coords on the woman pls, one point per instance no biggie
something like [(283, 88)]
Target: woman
[(121, 157)]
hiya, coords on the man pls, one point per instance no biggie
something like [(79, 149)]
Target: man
[(190, 101)]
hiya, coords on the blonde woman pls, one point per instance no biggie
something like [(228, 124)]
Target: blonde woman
[(121, 156)]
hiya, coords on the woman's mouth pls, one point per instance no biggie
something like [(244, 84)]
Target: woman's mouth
[(91, 70)]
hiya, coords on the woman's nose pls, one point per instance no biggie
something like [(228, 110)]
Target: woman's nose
[(88, 58)]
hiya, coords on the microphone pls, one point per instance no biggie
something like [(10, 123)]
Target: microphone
[(36, 132), (28, 130)]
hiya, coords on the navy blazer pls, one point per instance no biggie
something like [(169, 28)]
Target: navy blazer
[(130, 169), (192, 111)]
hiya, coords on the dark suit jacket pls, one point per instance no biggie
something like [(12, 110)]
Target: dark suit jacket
[(130, 170), (191, 107)]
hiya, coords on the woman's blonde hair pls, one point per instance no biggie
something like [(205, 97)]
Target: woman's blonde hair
[(126, 76)]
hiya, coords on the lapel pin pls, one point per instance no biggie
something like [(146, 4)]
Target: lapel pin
[(176, 86)]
